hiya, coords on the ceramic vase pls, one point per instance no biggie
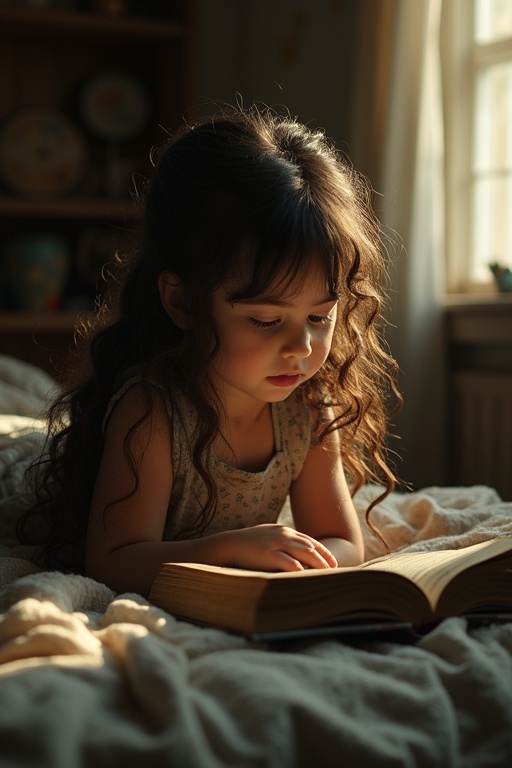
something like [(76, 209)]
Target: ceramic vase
[(35, 271)]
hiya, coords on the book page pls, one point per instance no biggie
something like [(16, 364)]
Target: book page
[(432, 571)]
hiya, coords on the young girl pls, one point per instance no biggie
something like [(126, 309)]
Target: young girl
[(239, 364)]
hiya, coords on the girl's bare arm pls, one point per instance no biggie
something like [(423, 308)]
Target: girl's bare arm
[(322, 506)]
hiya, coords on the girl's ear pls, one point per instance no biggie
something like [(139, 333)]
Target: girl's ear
[(171, 295)]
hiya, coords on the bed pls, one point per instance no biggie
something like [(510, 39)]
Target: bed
[(91, 678)]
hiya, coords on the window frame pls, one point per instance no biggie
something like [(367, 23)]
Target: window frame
[(462, 58)]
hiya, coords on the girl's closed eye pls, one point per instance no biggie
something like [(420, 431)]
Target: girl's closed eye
[(264, 323), (315, 319), (320, 319)]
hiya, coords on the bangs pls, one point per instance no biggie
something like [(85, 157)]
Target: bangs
[(280, 258)]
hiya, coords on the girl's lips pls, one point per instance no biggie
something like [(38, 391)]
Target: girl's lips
[(284, 380)]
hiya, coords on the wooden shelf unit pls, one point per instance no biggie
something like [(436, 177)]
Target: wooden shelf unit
[(46, 57)]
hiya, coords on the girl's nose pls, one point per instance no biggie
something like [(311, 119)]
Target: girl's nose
[(297, 343)]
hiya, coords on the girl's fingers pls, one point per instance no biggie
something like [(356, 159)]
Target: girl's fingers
[(313, 559), (309, 554), (328, 555), (326, 558), (274, 547), (288, 563)]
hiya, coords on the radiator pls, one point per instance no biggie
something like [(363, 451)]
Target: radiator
[(481, 430)]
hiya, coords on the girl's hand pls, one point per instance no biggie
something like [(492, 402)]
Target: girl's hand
[(274, 547)]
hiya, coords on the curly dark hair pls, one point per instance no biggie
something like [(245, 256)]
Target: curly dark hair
[(244, 180)]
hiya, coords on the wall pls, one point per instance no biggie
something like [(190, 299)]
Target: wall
[(295, 53)]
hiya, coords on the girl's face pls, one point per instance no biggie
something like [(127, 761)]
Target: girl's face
[(271, 344)]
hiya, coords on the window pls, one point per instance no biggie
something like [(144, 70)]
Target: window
[(477, 73)]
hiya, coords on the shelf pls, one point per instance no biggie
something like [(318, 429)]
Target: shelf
[(75, 24), (71, 208), (48, 322), (47, 55)]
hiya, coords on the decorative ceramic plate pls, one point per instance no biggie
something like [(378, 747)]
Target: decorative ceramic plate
[(114, 106), (42, 153)]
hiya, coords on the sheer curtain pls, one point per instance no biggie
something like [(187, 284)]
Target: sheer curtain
[(412, 189), (408, 177)]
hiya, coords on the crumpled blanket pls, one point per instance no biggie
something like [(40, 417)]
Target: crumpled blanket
[(436, 518), (90, 679)]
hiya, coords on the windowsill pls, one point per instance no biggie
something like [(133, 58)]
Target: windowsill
[(479, 319), (494, 301)]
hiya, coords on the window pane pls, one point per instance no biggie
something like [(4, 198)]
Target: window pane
[(493, 118), (493, 20), (492, 225)]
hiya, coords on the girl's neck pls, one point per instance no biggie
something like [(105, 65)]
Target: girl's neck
[(247, 439), (238, 408), (238, 414)]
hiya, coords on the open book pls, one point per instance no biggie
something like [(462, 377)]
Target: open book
[(418, 588)]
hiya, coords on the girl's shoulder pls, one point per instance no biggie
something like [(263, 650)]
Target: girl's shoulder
[(134, 417), (124, 383), (135, 392)]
